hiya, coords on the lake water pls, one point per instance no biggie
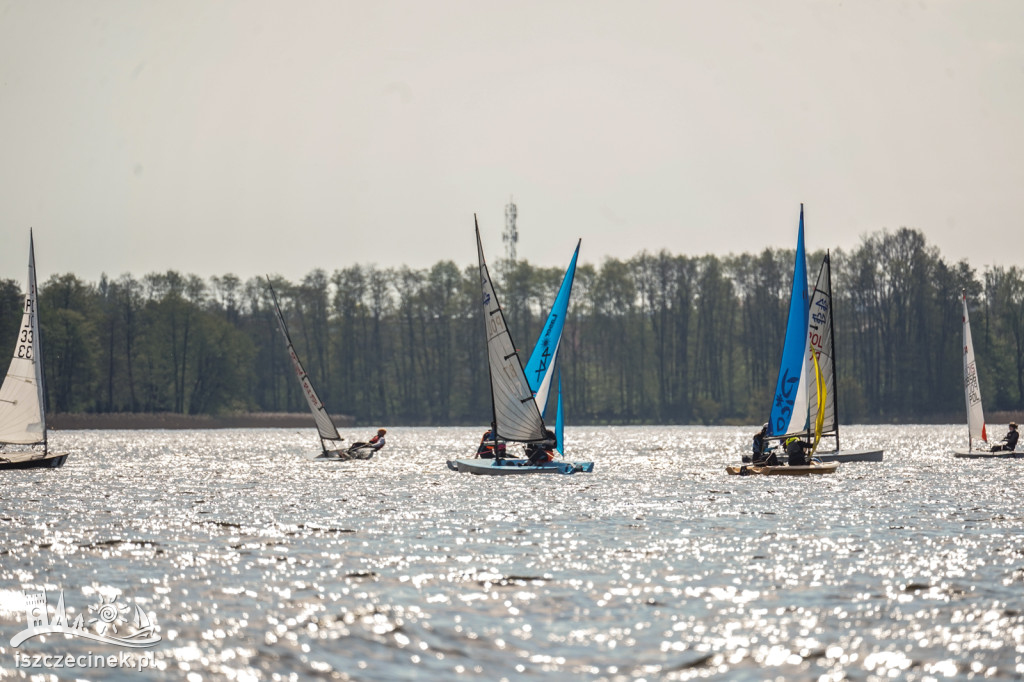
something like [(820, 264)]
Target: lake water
[(254, 563)]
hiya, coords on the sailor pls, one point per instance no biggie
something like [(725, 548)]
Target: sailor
[(762, 453), (368, 449), (488, 449), (796, 451), (1009, 442), (377, 442), (544, 451)]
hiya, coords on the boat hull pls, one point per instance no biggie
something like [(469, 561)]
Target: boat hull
[(344, 455), (783, 470), (32, 460), (514, 467), (977, 454), (841, 456), (851, 456)]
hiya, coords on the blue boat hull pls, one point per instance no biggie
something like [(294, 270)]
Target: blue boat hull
[(513, 467)]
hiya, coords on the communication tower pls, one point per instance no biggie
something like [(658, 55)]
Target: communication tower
[(511, 235)]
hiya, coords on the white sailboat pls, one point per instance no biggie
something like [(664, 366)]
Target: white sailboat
[(977, 431), (330, 439), (514, 409), (822, 345), (22, 395)]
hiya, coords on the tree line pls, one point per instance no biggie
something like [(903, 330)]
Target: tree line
[(656, 338)]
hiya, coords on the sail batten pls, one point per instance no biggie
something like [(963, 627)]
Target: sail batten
[(972, 389), (324, 425), (516, 416), (22, 413)]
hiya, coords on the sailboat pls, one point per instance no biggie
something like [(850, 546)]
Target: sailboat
[(22, 395), (799, 406), (976, 429), (330, 439), (515, 411)]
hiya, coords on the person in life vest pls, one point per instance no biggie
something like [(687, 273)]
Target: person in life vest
[(488, 449), (368, 449), (796, 450), (1009, 442), (542, 452)]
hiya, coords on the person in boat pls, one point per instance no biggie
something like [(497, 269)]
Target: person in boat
[(542, 452), (368, 449), (796, 451), (1009, 442), (488, 448), (762, 452)]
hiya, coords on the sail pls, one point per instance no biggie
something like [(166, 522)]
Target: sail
[(972, 391), (324, 425), (540, 367), (790, 409), (22, 418), (516, 416), (821, 364)]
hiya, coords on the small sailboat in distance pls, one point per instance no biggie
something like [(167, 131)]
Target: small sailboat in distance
[(330, 439), (22, 395), (977, 431)]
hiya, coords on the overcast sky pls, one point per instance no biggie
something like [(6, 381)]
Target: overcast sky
[(253, 137)]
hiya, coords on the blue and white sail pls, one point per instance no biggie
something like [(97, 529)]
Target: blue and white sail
[(790, 413), (540, 368)]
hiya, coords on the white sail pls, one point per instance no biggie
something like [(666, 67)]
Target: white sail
[(516, 415), (972, 391), (820, 342), (22, 418), (324, 425)]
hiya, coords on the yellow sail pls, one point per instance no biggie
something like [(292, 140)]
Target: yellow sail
[(822, 394)]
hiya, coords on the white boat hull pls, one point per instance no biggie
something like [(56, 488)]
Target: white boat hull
[(513, 467), (978, 454), (851, 456)]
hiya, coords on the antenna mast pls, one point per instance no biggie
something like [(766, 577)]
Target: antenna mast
[(511, 235)]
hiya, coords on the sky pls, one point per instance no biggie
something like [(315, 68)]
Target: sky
[(252, 137)]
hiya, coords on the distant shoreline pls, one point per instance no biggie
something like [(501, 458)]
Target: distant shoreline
[(272, 420), (168, 420)]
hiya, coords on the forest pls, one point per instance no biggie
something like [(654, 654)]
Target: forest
[(655, 338)]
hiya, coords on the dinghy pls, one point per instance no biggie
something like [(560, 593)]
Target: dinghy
[(783, 470), (976, 429), (805, 402), (325, 428), (22, 395), (515, 408)]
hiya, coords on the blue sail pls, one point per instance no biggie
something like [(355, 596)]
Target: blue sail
[(559, 418), (789, 409), (539, 369)]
